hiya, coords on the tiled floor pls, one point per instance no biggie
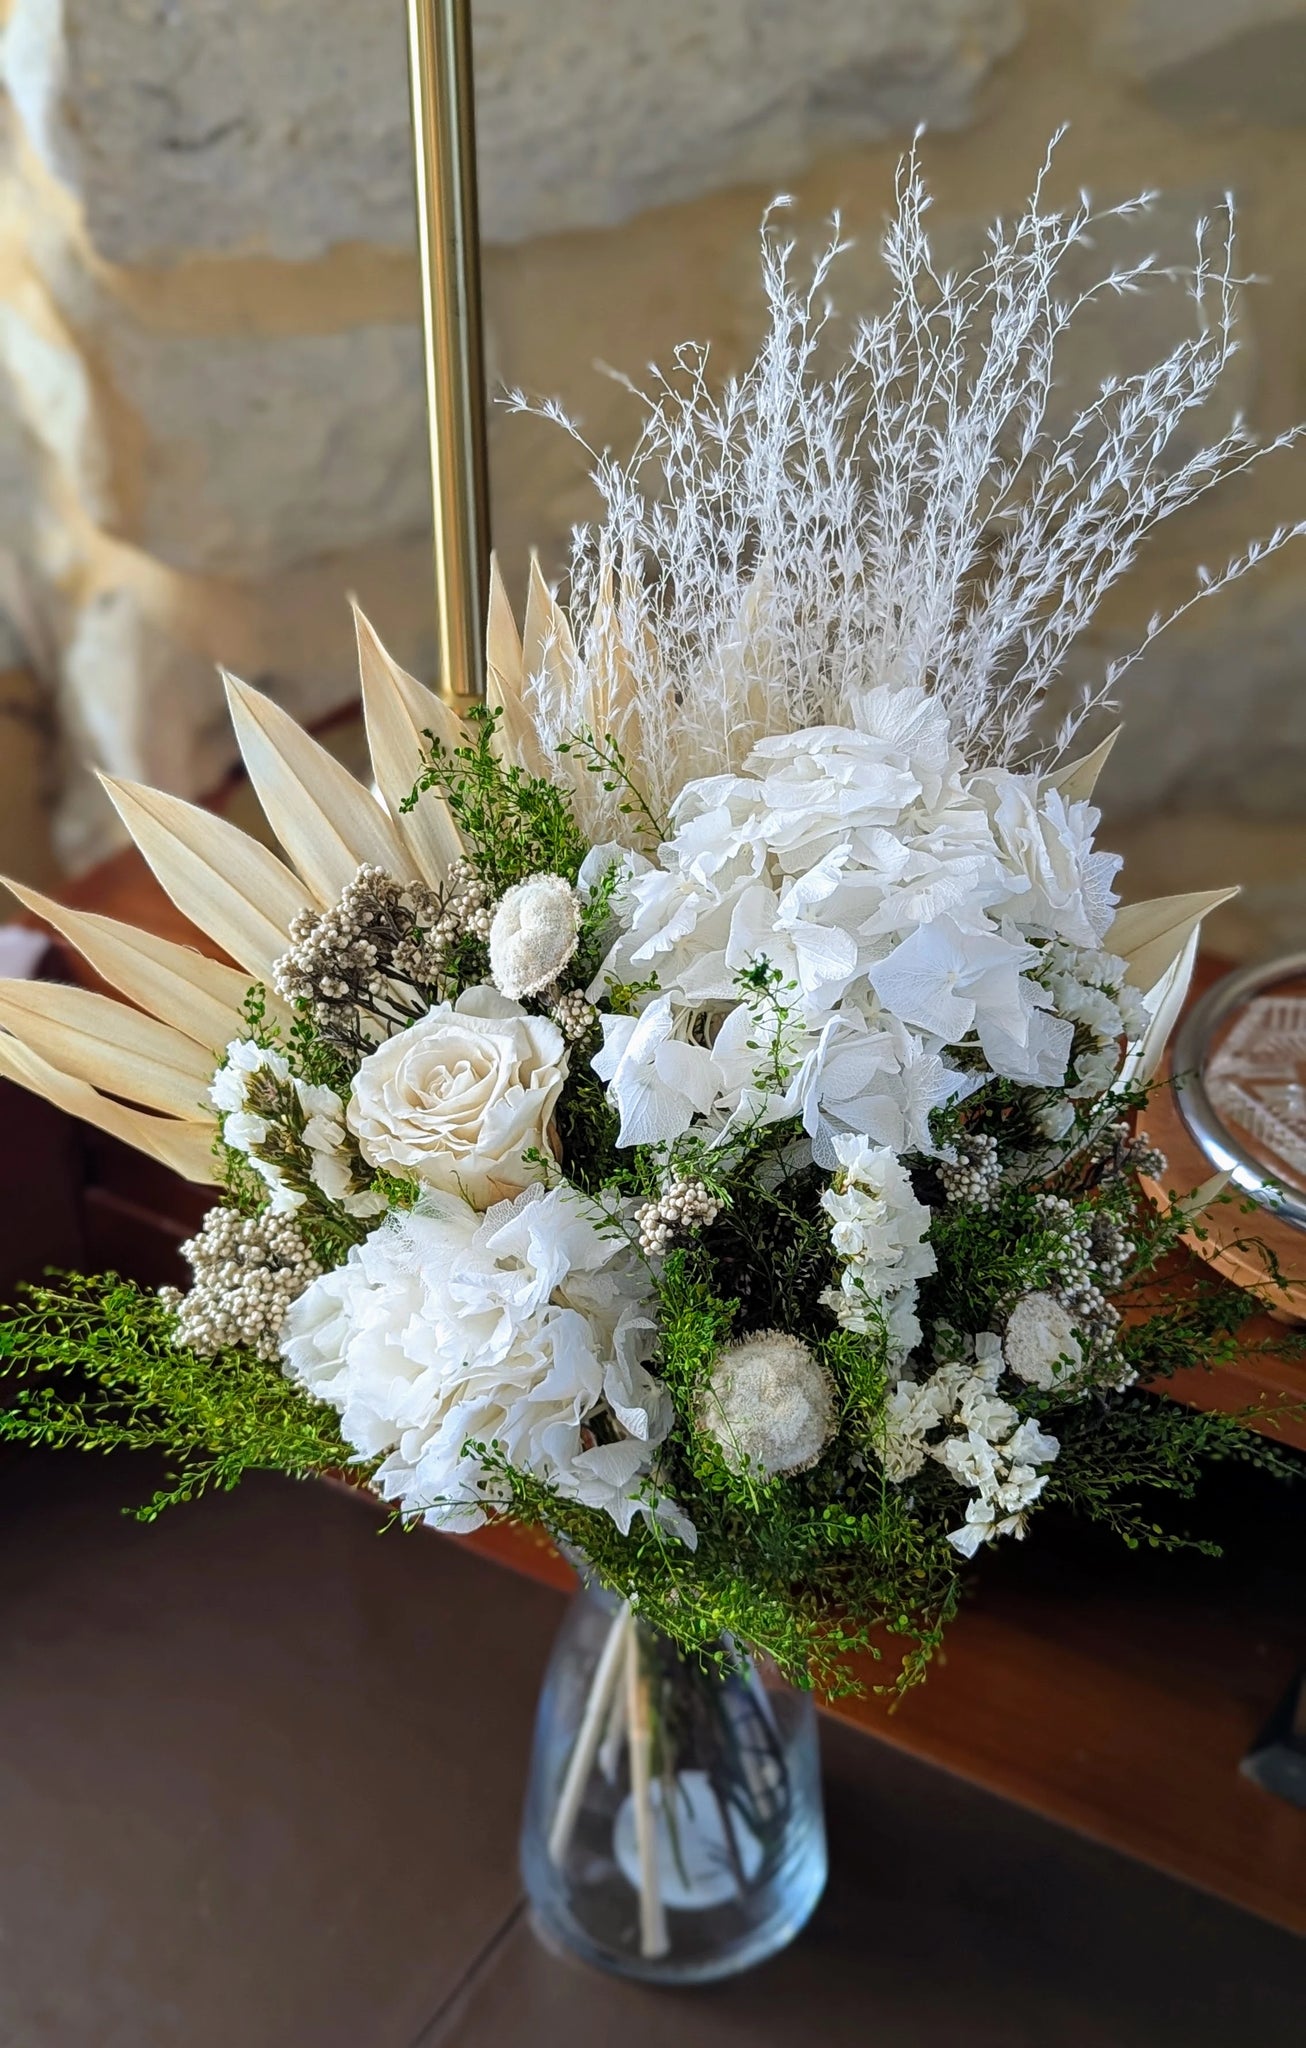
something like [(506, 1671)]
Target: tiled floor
[(259, 1778)]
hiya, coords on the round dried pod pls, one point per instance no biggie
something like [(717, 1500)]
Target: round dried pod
[(770, 1404), (1041, 1344), (533, 935)]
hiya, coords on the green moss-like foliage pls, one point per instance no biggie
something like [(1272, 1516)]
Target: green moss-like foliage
[(93, 1364)]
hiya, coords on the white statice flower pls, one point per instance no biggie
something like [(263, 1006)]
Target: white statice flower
[(905, 904), (460, 1098), (322, 1145), (878, 1228), (770, 1404), (525, 1329), (1089, 987), (987, 1449), (533, 935)]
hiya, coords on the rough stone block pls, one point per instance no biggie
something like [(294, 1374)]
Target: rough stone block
[(597, 109), (188, 125), (284, 130), (259, 452), (229, 452), (1216, 712), (1235, 60), (139, 688)]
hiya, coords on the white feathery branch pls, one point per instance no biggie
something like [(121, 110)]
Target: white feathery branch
[(901, 509)]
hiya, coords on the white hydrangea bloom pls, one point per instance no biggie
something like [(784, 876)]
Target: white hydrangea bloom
[(878, 1229), (526, 1327), (1058, 884), (327, 1151), (906, 904)]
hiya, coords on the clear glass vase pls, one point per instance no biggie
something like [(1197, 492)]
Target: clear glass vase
[(673, 1827)]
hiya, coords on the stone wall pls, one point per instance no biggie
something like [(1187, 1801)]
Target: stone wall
[(210, 378)]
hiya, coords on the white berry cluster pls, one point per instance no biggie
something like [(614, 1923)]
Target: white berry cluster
[(344, 953), (1122, 1152), (468, 908), (1080, 1251), (770, 1404), (248, 1270), (683, 1207), (574, 1014), (973, 1177), (380, 950)]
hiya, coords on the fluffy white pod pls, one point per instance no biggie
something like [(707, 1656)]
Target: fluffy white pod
[(1041, 1342), (770, 1404), (533, 935)]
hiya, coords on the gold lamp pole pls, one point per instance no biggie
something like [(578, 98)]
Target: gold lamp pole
[(444, 151)]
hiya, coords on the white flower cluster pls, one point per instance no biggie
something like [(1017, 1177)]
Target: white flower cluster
[(292, 1132), (523, 1330), (246, 1272), (1041, 1343), (906, 902), (1088, 987), (533, 935), (878, 1229), (987, 1449), (682, 1208)]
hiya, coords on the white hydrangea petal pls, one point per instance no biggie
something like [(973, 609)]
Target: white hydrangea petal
[(445, 1327)]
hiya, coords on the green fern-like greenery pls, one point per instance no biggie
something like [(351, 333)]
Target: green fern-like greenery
[(93, 1364), (513, 824)]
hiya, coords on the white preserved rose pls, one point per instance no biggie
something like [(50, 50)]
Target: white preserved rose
[(459, 1099)]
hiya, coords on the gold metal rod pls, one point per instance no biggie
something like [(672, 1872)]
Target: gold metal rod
[(444, 152)]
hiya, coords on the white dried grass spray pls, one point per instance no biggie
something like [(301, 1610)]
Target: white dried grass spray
[(910, 516)]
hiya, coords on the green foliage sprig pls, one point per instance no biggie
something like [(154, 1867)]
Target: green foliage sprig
[(94, 1365), (513, 824)]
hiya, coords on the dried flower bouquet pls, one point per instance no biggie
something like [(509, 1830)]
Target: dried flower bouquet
[(691, 1105)]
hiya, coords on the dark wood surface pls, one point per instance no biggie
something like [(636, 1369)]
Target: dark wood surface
[(1118, 1701), (261, 1772), (1116, 1695)]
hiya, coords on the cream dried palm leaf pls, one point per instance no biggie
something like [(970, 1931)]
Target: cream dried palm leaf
[(140, 1069)]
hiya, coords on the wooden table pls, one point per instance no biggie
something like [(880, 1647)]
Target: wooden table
[(1109, 1693)]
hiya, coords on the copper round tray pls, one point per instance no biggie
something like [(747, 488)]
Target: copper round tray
[(1188, 1127)]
